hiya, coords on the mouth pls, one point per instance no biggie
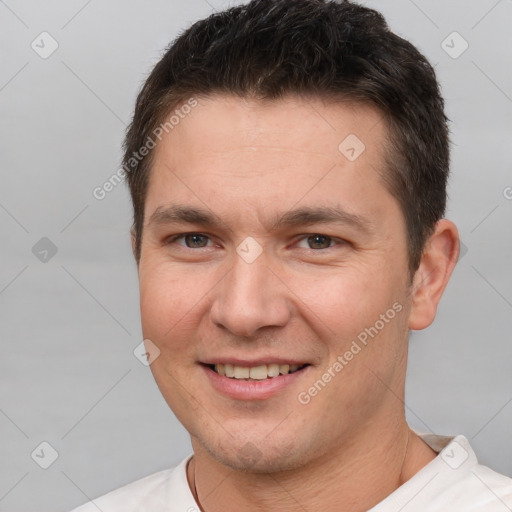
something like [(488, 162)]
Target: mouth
[(257, 380), (255, 373)]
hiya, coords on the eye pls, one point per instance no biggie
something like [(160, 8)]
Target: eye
[(318, 241), (191, 240)]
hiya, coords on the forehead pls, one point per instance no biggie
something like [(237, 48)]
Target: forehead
[(270, 154), (223, 122)]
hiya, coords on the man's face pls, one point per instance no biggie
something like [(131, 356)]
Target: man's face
[(274, 281)]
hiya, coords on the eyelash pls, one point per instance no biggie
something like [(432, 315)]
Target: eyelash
[(336, 241)]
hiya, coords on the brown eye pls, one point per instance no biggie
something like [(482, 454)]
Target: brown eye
[(190, 240), (195, 240), (319, 241)]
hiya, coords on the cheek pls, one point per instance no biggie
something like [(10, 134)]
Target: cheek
[(165, 301), (168, 320), (347, 301), (362, 318)]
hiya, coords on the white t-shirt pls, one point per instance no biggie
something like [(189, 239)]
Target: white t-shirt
[(452, 482)]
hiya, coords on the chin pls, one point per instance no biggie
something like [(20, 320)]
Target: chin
[(258, 455)]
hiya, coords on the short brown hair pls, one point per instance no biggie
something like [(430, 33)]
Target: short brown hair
[(267, 49)]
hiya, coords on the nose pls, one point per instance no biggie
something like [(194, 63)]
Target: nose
[(250, 297)]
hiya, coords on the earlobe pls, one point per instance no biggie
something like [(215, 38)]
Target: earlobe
[(436, 266)]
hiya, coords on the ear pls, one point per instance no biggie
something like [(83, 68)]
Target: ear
[(436, 266)]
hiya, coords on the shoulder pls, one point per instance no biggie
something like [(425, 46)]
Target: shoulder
[(151, 493), (453, 481), (462, 483), (485, 489)]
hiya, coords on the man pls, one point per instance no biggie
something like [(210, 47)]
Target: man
[(287, 162)]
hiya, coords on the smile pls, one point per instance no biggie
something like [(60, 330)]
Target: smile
[(254, 380), (260, 372)]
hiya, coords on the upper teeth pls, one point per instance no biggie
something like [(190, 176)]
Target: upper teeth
[(255, 372)]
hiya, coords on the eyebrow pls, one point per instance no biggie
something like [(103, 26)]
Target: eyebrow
[(176, 214), (321, 215)]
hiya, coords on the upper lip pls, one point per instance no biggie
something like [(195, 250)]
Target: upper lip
[(252, 362)]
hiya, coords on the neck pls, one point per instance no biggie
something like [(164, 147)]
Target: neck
[(360, 474)]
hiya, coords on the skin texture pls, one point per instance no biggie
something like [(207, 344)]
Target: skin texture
[(249, 162)]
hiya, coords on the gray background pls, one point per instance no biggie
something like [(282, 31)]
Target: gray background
[(69, 324)]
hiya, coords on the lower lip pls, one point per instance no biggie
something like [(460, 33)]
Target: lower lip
[(239, 389)]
